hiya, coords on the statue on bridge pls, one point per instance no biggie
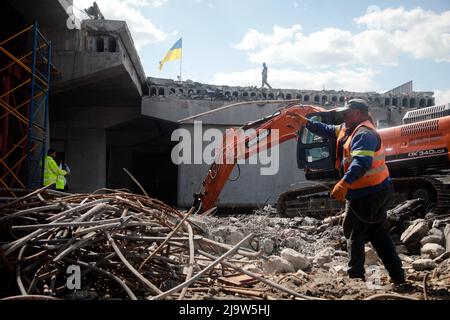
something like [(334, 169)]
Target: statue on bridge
[(94, 12)]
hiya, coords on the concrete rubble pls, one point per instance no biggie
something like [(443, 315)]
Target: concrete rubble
[(317, 250), (149, 253)]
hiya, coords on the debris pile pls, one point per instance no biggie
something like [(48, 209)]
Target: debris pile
[(126, 246), (129, 246), (309, 255)]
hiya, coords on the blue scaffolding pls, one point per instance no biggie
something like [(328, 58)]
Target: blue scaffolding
[(38, 111), (24, 92)]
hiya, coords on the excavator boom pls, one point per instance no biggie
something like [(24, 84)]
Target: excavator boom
[(252, 141)]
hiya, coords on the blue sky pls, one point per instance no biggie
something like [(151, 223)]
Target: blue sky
[(351, 45)]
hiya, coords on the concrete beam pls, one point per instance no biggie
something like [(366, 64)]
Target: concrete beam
[(49, 13), (102, 50), (120, 29), (108, 88)]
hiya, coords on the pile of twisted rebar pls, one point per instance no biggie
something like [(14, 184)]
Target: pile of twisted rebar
[(125, 246)]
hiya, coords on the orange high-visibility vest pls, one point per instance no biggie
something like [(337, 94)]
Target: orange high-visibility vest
[(377, 173)]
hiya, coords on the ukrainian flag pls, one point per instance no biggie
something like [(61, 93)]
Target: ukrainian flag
[(173, 54)]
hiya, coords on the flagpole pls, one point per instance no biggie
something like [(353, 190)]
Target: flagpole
[(181, 63)]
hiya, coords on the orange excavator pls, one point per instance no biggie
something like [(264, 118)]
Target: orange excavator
[(417, 155)]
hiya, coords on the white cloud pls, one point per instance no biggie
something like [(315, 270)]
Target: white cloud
[(156, 3), (145, 3), (394, 18), (144, 32), (441, 97), (330, 46), (419, 33), (324, 48), (388, 33), (360, 79), (254, 39), (374, 47)]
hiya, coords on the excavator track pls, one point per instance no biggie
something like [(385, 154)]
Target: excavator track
[(315, 201), (308, 201), (437, 186)]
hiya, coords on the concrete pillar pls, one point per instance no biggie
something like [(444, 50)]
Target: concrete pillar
[(86, 157)]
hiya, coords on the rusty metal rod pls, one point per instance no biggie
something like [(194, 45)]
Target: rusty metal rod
[(77, 209), (19, 271), (10, 216), (106, 273), (135, 181), (201, 273), (191, 259), (167, 239), (145, 281)]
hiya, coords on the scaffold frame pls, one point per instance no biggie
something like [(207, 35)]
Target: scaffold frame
[(24, 104)]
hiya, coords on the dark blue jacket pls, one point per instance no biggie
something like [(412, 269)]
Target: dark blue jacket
[(365, 140)]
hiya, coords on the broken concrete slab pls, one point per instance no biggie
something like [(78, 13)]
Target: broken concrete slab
[(276, 264), (443, 269), (309, 221), (436, 232), (298, 260), (267, 246), (221, 231), (431, 239), (424, 264), (432, 250), (405, 258), (447, 237), (294, 243), (252, 268), (324, 256), (235, 237), (339, 270), (414, 233)]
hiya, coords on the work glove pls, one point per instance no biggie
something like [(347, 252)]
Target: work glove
[(340, 190), (301, 120)]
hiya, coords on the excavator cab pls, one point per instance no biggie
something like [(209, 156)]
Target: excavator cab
[(316, 155)]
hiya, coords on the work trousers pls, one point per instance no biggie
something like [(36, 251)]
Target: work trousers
[(365, 222)]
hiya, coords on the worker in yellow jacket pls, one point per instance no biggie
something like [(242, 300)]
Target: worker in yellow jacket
[(61, 180), (51, 170)]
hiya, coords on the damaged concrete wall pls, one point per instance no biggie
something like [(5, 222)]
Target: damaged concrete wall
[(173, 101), (251, 188), (98, 46), (388, 108)]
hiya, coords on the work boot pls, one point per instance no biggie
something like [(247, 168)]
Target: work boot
[(361, 277), (404, 287), (398, 280), (398, 277)]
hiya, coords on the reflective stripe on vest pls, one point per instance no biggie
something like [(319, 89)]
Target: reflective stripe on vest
[(378, 172), (340, 136)]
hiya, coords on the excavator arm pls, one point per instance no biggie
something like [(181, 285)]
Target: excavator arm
[(237, 146)]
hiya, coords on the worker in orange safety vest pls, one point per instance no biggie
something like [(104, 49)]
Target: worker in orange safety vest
[(365, 185)]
